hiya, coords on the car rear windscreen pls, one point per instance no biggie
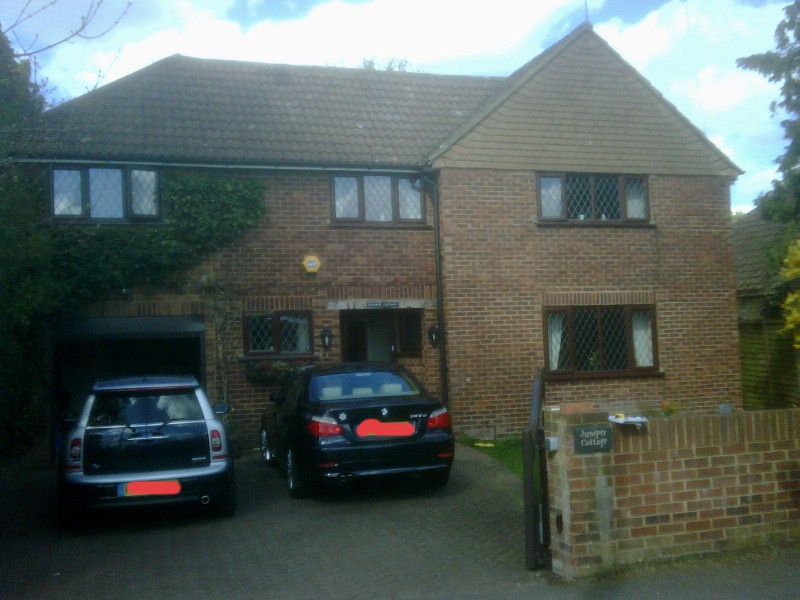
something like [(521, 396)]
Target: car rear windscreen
[(112, 409), (361, 384)]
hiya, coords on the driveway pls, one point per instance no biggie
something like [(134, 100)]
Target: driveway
[(377, 540)]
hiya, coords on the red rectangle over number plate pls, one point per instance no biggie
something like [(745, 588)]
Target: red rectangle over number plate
[(373, 427), (169, 487)]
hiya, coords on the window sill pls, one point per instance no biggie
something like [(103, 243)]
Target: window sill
[(564, 377), (299, 358), (398, 226), (597, 224)]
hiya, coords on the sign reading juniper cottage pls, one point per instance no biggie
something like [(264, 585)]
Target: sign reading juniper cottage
[(591, 439)]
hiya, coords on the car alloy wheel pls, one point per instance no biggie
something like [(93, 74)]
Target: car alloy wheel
[(266, 452)]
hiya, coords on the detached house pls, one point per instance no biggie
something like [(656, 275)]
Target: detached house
[(475, 229)]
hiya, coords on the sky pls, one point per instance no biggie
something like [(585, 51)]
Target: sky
[(686, 48)]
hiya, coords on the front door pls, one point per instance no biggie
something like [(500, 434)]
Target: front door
[(368, 335)]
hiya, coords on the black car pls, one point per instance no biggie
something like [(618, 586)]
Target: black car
[(146, 440), (334, 423)]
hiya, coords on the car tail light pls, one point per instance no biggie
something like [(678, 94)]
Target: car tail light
[(75, 450), (216, 441), (324, 427), (439, 419)]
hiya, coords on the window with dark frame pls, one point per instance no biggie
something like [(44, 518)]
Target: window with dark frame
[(105, 193), (612, 340), (377, 199), (592, 197), (278, 333), (409, 333)]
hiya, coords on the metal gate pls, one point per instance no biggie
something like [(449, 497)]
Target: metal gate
[(534, 472)]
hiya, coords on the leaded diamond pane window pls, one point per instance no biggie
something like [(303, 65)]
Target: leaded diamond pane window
[(295, 333), (587, 348), (378, 198), (615, 345), (67, 195), (105, 194), (602, 340), (551, 195), (410, 198), (592, 198), (346, 195), (607, 198), (579, 197), (260, 334), (278, 333), (636, 207), (144, 196)]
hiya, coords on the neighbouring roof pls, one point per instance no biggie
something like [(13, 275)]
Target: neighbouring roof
[(753, 238), (578, 105)]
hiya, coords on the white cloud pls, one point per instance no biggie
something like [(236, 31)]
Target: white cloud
[(688, 50)]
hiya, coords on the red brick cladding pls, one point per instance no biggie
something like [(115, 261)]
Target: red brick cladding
[(263, 273), (680, 485), (500, 267)]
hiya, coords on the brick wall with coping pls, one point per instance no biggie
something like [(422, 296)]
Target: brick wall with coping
[(679, 486)]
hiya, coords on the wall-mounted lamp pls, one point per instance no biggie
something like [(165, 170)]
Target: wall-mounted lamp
[(433, 335), (325, 338)]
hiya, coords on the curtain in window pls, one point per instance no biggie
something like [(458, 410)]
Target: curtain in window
[(556, 336), (643, 338), (634, 195)]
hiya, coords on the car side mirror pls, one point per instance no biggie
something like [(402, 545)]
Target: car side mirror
[(221, 409)]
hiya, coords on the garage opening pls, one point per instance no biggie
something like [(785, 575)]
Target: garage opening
[(84, 350)]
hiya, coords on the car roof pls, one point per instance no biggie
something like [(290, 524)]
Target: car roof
[(352, 367), (145, 382)]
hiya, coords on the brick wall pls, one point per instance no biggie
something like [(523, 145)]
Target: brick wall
[(501, 268), (263, 273), (679, 486)]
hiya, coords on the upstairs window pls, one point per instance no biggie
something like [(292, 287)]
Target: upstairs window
[(598, 198), (610, 340), (278, 333), (377, 199), (101, 193)]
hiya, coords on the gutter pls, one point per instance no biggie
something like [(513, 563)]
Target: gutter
[(230, 167), (431, 178)]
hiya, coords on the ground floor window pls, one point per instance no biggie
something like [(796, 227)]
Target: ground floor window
[(278, 333), (610, 340)]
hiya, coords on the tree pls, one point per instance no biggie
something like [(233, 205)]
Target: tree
[(783, 66), (791, 305), (79, 30), (782, 202)]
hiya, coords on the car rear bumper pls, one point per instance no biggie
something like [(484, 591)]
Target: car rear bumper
[(108, 493), (336, 464)]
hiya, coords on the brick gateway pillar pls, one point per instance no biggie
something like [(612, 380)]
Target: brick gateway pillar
[(678, 486)]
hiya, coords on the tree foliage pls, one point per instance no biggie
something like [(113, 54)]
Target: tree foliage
[(791, 305), (782, 66), (49, 267)]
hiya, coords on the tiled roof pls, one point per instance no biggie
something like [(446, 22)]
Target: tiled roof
[(193, 110), (576, 106), (753, 237)]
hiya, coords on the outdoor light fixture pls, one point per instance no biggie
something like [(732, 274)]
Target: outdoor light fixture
[(325, 338), (433, 335)]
